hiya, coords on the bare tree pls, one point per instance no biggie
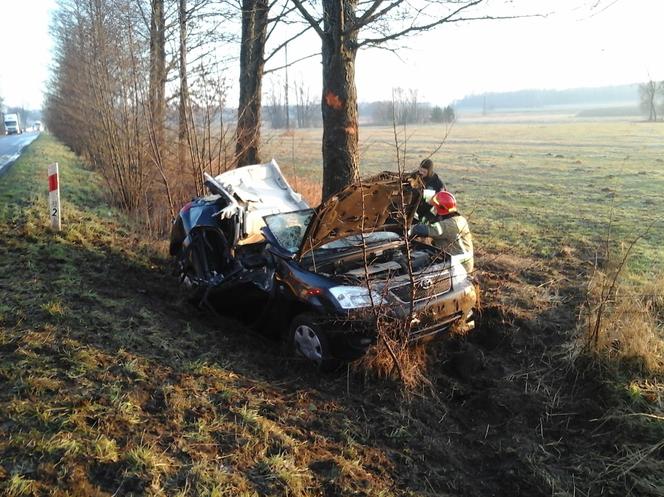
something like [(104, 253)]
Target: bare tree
[(111, 88), (649, 93), (338, 24), (440, 115), (184, 83), (305, 106), (252, 63), (257, 29), (276, 108), (158, 69)]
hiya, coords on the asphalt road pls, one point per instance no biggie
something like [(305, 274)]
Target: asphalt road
[(11, 146)]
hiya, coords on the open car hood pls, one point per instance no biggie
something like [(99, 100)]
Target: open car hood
[(368, 205)]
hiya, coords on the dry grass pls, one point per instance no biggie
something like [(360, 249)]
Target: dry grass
[(307, 187), (625, 324), (118, 388), (410, 367)]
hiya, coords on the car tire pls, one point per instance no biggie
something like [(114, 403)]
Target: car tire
[(307, 339), (186, 272)]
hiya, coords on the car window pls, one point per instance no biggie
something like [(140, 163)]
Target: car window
[(288, 228)]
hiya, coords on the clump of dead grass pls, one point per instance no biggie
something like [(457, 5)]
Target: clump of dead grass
[(394, 357), (624, 322)]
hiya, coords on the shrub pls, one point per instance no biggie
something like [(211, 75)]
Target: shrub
[(624, 323)]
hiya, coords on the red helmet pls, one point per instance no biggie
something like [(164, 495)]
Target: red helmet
[(443, 203)]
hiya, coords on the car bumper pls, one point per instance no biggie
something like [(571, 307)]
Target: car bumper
[(455, 308), (353, 333)]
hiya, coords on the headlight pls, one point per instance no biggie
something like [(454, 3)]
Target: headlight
[(459, 275), (354, 297)]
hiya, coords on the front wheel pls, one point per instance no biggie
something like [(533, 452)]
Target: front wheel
[(306, 338)]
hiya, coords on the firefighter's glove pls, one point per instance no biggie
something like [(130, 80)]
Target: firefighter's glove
[(419, 230)]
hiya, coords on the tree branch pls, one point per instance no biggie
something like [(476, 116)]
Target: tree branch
[(291, 63), (368, 16), (369, 19), (274, 22), (285, 11), (429, 26), (283, 44), (307, 15)]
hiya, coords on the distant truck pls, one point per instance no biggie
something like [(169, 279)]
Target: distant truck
[(12, 124)]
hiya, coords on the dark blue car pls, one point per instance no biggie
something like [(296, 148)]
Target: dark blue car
[(321, 278)]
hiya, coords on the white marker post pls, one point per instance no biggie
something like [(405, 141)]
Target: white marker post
[(54, 196)]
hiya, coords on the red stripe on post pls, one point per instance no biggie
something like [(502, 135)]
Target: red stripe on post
[(52, 182)]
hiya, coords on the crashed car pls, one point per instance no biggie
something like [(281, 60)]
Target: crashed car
[(315, 276)]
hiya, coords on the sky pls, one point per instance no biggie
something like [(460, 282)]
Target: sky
[(574, 46), (579, 43), (25, 53)]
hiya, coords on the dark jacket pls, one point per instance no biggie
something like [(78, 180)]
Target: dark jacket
[(433, 182)]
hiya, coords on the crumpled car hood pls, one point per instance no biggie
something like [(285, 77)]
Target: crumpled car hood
[(362, 207)]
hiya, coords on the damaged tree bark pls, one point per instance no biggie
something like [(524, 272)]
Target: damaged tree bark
[(339, 101)]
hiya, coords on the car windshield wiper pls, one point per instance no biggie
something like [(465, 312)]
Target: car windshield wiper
[(336, 249), (358, 248)]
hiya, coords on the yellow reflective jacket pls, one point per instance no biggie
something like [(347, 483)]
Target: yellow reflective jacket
[(452, 235)]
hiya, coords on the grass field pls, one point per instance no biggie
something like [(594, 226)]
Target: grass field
[(531, 187), (111, 385)]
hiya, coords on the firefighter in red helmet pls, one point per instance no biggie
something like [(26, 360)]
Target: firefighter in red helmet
[(448, 229)]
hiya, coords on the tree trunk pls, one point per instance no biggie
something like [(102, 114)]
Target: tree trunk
[(157, 71), (184, 85), (339, 102), (254, 33)]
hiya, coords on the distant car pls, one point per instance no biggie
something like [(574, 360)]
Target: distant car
[(255, 246), (37, 126)]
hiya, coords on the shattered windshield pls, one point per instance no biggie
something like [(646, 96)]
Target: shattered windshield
[(289, 228)]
